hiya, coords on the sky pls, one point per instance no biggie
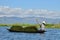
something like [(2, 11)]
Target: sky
[(30, 8)]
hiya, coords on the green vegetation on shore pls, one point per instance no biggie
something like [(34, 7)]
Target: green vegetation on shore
[(29, 25)]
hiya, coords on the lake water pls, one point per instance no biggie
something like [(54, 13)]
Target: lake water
[(51, 34)]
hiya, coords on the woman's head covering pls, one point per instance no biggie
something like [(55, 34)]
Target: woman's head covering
[(44, 22)]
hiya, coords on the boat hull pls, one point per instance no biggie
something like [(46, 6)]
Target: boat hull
[(40, 31)]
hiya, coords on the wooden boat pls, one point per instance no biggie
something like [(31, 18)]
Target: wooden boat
[(40, 31)]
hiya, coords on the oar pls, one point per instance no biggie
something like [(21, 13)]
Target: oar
[(37, 21)]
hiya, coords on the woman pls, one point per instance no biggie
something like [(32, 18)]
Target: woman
[(42, 26)]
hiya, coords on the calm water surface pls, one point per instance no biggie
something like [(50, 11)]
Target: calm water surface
[(51, 34)]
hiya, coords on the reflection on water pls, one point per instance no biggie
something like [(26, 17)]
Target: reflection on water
[(51, 34)]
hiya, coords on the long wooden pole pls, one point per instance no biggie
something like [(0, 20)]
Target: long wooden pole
[(37, 21)]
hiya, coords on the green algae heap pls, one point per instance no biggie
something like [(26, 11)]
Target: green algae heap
[(20, 28)]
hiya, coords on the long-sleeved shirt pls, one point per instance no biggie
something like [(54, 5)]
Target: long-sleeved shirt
[(42, 27)]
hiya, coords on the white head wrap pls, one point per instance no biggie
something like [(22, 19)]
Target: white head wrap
[(44, 22)]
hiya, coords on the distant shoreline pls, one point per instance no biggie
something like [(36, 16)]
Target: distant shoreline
[(37, 25)]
